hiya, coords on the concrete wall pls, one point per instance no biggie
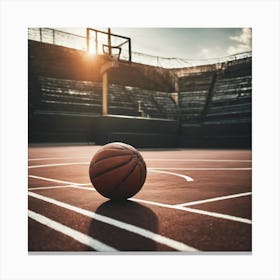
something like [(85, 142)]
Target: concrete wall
[(61, 62), (139, 132)]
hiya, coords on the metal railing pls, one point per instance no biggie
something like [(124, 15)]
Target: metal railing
[(65, 39), (57, 37)]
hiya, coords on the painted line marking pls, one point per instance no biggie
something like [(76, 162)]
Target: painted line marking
[(178, 207), (56, 164), (216, 215), (84, 188), (197, 211), (57, 181), (199, 160), (59, 187), (187, 178), (214, 199), (157, 168), (45, 188), (155, 159), (202, 168), (207, 213), (54, 158), (125, 226), (78, 236)]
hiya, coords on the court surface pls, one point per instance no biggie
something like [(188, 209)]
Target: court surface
[(193, 200)]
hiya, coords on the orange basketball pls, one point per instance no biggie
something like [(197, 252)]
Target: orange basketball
[(117, 171)]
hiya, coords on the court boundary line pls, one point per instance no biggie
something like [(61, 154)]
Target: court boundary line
[(154, 168), (177, 245), (202, 212), (203, 168), (200, 160), (197, 211), (70, 232), (156, 159), (225, 197), (48, 187), (54, 158), (56, 180)]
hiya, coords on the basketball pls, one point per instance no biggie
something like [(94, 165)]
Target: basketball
[(117, 171)]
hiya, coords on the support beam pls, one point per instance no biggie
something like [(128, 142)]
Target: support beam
[(109, 41), (88, 34), (105, 94), (209, 96)]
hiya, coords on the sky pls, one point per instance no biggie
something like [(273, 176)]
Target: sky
[(187, 43), (196, 43)]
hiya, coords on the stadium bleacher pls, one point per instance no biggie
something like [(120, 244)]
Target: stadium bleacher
[(216, 106), (194, 90), (68, 95), (60, 95), (231, 101), (214, 103)]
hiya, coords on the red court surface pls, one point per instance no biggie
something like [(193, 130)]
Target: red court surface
[(193, 200)]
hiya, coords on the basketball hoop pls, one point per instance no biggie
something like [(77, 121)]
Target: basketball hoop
[(113, 52)]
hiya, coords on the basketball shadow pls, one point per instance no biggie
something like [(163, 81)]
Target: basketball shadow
[(128, 212)]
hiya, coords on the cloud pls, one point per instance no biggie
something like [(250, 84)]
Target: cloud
[(243, 42), (205, 52)]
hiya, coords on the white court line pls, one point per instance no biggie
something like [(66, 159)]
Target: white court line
[(80, 237), (202, 168), (158, 168), (207, 213), (216, 215), (214, 199), (54, 158), (125, 226), (197, 211), (58, 187), (45, 188), (156, 159), (202, 212), (83, 188), (179, 207), (57, 181), (198, 160), (187, 178), (57, 164)]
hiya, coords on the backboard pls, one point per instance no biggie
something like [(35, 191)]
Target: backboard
[(104, 42)]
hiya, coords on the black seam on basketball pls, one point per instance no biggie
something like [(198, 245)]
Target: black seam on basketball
[(143, 162), (142, 175), (112, 168), (140, 170), (124, 179), (111, 157), (139, 156)]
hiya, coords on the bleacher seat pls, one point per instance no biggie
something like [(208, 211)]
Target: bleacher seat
[(231, 99), (61, 95), (194, 89), (69, 95)]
